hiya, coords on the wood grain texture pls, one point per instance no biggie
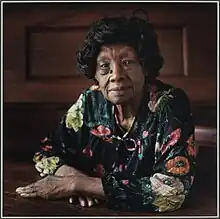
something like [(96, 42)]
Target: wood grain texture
[(51, 50)]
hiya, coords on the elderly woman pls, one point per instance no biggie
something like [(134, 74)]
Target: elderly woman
[(129, 139)]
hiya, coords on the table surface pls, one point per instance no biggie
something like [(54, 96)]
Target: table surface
[(202, 201)]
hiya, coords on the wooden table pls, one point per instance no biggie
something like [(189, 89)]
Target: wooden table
[(22, 173)]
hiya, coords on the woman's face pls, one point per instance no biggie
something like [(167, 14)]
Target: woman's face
[(119, 73)]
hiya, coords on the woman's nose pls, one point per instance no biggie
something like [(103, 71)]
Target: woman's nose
[(117, 73)]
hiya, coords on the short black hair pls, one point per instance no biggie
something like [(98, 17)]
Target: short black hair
[(133, 31)]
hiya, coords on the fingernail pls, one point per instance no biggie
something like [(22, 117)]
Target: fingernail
[(90, 204), (96, 200), (71, 200), (18, 189)]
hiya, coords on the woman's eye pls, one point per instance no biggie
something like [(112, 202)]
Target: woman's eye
[(104, 68), (104, 65), (127, 62)]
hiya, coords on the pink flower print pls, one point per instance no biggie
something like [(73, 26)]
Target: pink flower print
[(173, 139), (101, 131), (125, 181), (120, 167), (46, 148), (145, 134), (87, 151)]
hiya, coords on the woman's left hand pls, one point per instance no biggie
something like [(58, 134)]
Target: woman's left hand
[(84, 201), (50, 187)]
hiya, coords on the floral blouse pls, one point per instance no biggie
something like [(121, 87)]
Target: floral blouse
[(149, 167)]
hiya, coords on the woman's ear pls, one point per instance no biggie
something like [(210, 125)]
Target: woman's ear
[(95, 86), (95, 81)]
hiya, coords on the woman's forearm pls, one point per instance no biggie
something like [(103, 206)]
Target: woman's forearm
[(66, 170), (82, 183)]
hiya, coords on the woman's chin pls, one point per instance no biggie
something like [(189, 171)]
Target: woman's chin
[(120, 99)]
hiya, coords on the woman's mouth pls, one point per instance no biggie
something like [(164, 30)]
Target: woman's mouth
[(119, 91), (122, 88)]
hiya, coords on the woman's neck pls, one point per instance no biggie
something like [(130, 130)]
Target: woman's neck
[(128, 111)]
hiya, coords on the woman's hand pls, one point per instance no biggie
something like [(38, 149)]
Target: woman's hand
[(50, 187), (57, 186)]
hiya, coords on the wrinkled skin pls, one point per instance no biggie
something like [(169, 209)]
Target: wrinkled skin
[(84, 201), (60, 185), (50, 187), (119, 74)]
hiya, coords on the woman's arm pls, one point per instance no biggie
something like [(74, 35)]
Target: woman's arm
[(61, 145), (57, 152)]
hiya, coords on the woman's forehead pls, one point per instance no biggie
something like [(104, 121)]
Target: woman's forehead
[(116, 50)]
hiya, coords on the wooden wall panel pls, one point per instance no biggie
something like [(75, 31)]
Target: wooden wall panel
[(52, 53), (191, 66), (171, 41)]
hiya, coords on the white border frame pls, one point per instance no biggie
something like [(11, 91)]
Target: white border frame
[(217, 107)]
